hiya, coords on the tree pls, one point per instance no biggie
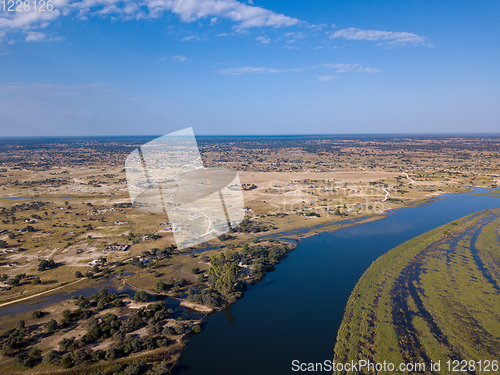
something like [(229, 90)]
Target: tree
[(67, 360), (78, 274), (46, 264), (36, 281), (51, 326), (51, 358), (141, 296), (245, 248), (159, 369), (132, 370), (161, 286), (20, 324), (37, 314), (34, 357)]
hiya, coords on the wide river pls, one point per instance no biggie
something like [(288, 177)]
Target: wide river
[(295, 312)]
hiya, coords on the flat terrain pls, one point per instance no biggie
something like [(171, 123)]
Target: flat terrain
[(433, 298), (67, 224)]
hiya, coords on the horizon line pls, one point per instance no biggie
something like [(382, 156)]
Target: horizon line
[(258, 135)]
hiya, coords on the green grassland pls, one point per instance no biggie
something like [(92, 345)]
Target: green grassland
[(433, 298)]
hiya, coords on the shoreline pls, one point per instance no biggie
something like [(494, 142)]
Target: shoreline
[(329, 227), (326, 227)]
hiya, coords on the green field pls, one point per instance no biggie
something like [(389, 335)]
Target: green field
[(433, 298)]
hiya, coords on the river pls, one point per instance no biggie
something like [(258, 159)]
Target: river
[(295, 312)]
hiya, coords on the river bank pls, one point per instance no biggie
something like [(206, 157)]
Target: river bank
[(322, 270), (299, 236)]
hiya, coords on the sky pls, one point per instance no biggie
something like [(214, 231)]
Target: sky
[(151, 67)]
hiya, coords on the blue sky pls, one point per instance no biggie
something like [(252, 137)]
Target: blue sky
[(106, 67)]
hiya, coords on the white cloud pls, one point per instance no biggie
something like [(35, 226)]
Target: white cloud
[(244, 15), (256, 70), (339, 68), (295, 35), (263, 39), (326, 78), (32, 36), (383, 37), (190, 38), (179, 58), (346, 68)]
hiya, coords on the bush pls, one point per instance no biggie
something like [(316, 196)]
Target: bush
[(51, 358), (141, 296), (78, 274), (30, 359), (67, 360), (46, 264), (132, 370), (37, 314), (51, 326), (161, 287), (159, 369)]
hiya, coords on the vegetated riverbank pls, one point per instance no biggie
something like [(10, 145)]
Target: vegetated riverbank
[(257, 250), (328, 264), (433, 298), (109, 333)]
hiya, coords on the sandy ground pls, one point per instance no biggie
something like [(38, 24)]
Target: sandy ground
[(197, 307)]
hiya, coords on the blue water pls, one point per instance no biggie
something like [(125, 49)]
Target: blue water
[(295, 312), (40, 303)]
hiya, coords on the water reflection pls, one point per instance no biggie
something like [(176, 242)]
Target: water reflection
[(228, 314)]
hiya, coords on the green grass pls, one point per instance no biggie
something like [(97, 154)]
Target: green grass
[(457, 312)]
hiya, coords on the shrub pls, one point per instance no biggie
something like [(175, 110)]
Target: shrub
[(37, 314), (51, 326), (141, 296), (46, 264)]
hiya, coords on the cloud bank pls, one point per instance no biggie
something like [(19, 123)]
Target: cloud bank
[(243, 15)]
